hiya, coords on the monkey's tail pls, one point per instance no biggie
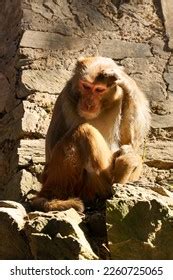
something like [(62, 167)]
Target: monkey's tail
[(43, 204)]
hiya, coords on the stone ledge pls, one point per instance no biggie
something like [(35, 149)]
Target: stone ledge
[(165, 121), (160, 154), (119, 49), (51, 41), (139, 222), (167, 8)]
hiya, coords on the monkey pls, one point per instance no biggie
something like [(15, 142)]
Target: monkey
[(99, 121)]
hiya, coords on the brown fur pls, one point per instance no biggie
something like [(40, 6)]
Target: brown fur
[(88, 150)]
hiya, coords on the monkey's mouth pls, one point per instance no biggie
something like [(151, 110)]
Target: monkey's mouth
[(88, 113)]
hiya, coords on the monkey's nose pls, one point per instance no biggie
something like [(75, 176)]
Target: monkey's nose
[(90, 103)]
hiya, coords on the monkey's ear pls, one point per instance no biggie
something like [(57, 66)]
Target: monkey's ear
[(84, 60)]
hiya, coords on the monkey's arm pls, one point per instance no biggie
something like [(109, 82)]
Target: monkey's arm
[(63, 119), (57, 127), (135, 114)]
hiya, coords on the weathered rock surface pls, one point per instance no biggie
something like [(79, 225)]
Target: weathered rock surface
[(118, 49), (35, 120), (140, 223), (57, 236), (51, 41), (13, 244), (10, 33), (167, 7), (55, 34), (164, 121), (54, 235), (4, 93), (160, 154), (31, 152), (48, 81), (21, 186)]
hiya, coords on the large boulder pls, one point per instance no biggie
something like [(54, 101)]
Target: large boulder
[(57, 235), (13, 243), (38, 235), (140, 223)]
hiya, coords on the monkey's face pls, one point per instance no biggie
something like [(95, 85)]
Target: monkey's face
[(96, 85), (90, 101)]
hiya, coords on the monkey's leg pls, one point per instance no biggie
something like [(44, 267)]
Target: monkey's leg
[(62, 178), (127, 167), (79, 168), (98, 159), (135, 175), (85, 164)]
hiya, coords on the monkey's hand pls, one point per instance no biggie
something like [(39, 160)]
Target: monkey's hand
[(126, 165), (121, 79), (124, 149), (126, 83)]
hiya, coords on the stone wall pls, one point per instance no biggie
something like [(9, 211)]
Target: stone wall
[(11, 108), (136, 34), (55, 34)]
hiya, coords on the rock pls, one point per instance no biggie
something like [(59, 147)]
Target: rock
[(165, 121), (10, 125), (38, 235), (4, 93), (94, 226), (44, 100), (35, 120), (162, 107), (118, 49), (153, 86), (21, 186), (8, 160), (31, 152), (31, 155), (159, 154), (154, 175), (167, 7), (14, 245), (10, 32), (138, 65), (52, 41), (55, 34), (57, 235), (95, 16), (51, 16), (47, 81), (139, 223), (168, 77), (161, 190), (158, 48)]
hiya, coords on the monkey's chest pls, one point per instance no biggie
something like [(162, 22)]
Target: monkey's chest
[(109, 129)]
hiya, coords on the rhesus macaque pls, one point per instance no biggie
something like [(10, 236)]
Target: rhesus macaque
[(99, 121)]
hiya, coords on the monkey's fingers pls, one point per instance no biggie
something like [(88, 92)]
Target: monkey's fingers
[(122, 83), (110, 72)]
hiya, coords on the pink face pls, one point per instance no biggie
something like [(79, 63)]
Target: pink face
[(90, 102)]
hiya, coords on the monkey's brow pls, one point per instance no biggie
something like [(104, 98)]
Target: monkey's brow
[(101, 77), (106, 79)]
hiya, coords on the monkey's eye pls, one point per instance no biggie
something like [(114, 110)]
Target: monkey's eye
[(86, 86), (100, 89)]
